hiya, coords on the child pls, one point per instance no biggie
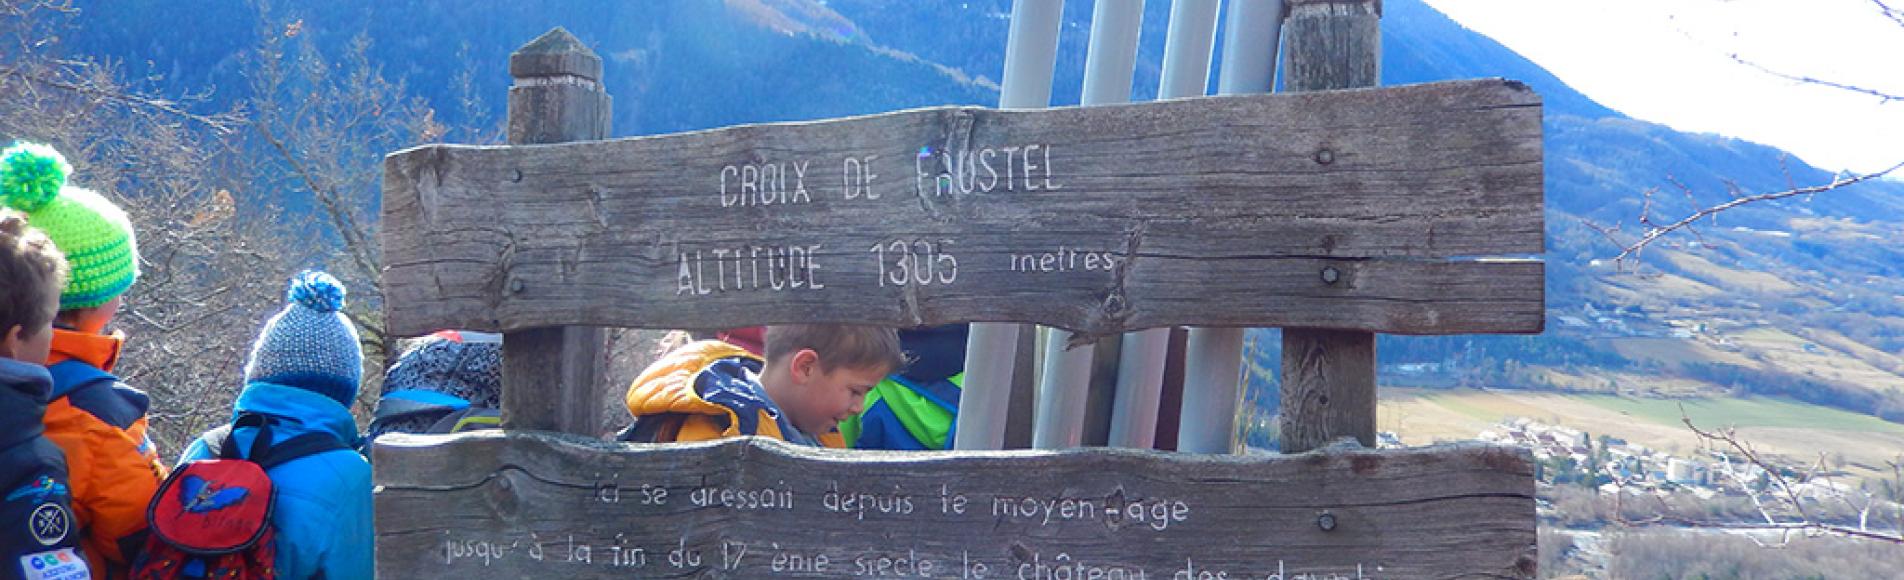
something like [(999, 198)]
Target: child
[(301, 377), (918, 408), (813, 377), (38, 538), (448, 382), (99, 421)]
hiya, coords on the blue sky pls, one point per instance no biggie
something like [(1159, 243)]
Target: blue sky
[(1666, 61)]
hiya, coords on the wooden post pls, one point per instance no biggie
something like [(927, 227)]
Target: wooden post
[(550, 374), (1328, 386)]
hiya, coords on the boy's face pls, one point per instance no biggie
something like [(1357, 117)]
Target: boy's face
[(825, 398), (27, 345), (31, 345)]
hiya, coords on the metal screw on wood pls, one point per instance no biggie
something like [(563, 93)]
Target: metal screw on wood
[(515, 286), (516, 176), (1325, 156), (1326, 521), (1330, 275)]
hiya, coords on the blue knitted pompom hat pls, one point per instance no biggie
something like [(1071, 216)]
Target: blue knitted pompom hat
[(310, 344)]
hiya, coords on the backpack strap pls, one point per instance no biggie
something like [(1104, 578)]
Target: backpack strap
[(264, 453), (297, 447), (218, 442), (468, 419)]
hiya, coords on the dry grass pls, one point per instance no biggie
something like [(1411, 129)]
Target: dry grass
[(1787, 352), (1796, 432), (1699, 268), (1676, 351)]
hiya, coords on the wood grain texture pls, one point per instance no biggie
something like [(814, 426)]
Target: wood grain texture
[(1213, 212), (553, 375), (488, 505), (1328, 387), (1328, 373)]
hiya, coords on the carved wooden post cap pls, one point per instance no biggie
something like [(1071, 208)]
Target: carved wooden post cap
[(1294, 8), (555, 54)]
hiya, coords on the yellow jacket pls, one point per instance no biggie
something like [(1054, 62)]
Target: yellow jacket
[(709, 390)]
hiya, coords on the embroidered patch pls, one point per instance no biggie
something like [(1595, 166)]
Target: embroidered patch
[(49, 523), (199, 496), (62, 564), (40, 490)]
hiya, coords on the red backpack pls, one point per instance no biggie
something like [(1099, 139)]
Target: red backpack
[(212, 517)]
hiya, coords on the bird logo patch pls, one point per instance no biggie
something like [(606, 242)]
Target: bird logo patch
[(199, 496), (41, 489)]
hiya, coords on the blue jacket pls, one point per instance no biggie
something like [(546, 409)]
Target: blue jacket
[(323, 511), (38, 532)]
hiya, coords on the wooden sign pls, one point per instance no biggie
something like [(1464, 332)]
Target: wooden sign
[(1402, 210), (540, 505)]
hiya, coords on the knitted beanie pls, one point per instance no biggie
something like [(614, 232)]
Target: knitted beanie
[(95, 234), (447, 363), (310, 344)]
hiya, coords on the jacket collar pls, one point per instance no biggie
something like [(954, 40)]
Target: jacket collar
[(299, 410), (99, 350)]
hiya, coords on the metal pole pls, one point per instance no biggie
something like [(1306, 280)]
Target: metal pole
[(1031, 51), (1140, 371), (1140, 378), (1066, 381), (1187, 48), (1213, 365), (1249, 47), (1113, 53)]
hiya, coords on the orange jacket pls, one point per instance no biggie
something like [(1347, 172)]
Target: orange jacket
[(667, 393), (113, 467)]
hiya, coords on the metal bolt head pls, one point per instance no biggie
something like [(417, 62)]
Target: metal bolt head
[(1330, 275), (516, 176), (1326, 521), (515, 286), (1325, 156)]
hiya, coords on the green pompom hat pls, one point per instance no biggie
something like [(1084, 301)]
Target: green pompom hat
[(95, 235)]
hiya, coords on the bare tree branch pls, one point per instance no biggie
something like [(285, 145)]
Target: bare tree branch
[(1894, 14), (1788, 495), (222, 123), (1654, 231), (1883, 96)]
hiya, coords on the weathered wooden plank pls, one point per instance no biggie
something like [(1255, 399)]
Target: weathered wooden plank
[(546, 505), (1173, 198), (552, 374)]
